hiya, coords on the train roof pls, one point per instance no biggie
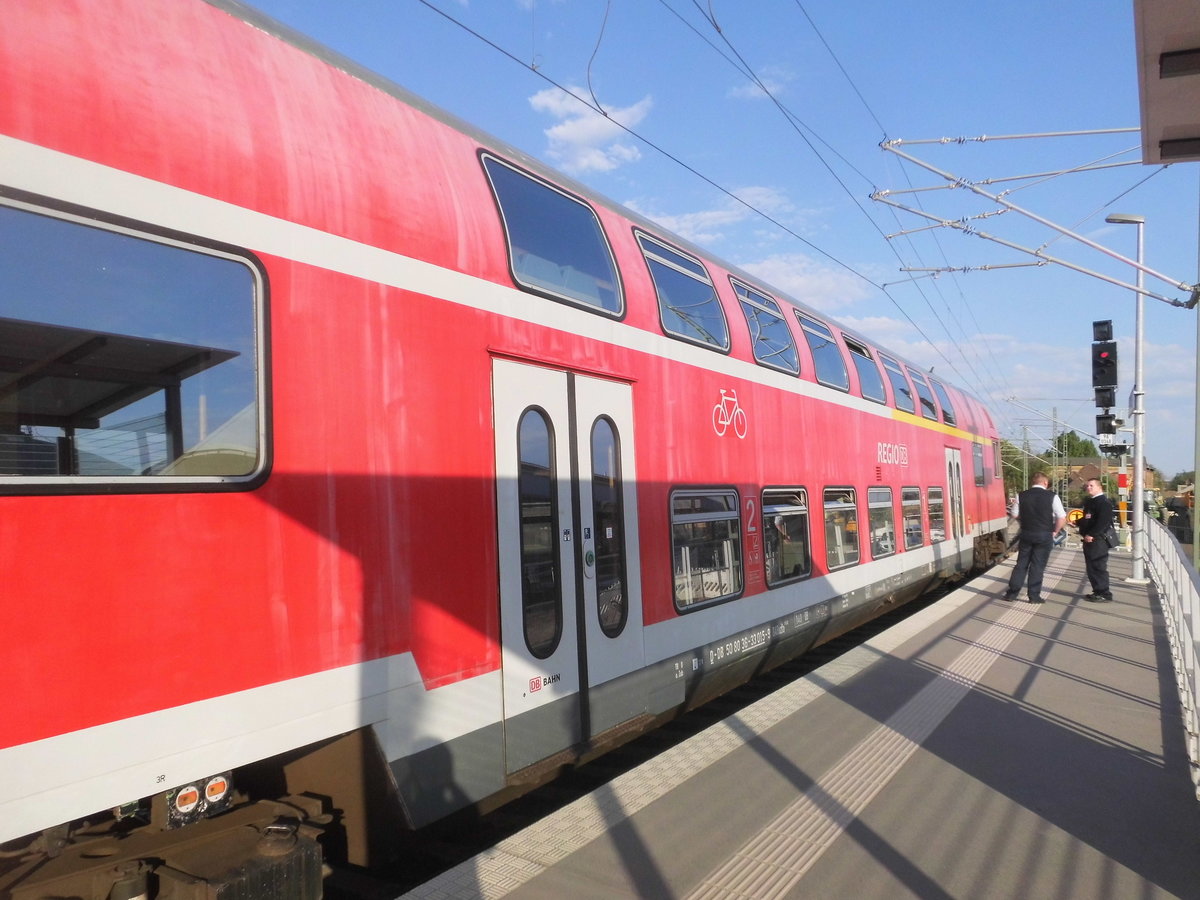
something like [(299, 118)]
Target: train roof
[(303, 42)]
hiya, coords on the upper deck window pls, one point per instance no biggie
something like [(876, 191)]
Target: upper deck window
[(773, 344), (687, 300), (128, 361), (928, 409), (827, 356), (944, 399), (555, 243), (901, 392), (869, 380)]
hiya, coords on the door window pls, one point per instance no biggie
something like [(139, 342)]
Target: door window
[(608, 519), (541, 603)]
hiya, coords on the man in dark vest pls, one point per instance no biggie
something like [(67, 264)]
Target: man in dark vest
[(1094, 529), (1042, 517)]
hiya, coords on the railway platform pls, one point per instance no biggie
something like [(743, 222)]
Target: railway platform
[(979, 749)]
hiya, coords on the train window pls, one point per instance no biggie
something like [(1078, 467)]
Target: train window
[(882, 518), (706, 544), (608, 522), (944, 399), (827, 356), (127, 361), (870, 382), (785, 521), (687, 301), (541, 577), (555, 243), (937, 515), (901, 392), (769, 333), (997, 467), (980, 469), (928, 408), (841, 527), (910, 509)]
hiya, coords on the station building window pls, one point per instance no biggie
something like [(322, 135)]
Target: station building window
[(944, 399), (128, 360), (841, 527), (937, 515), (910, 510), (769, 333), (541, 575), (556, 246), (687, 300), (882, 518), (928, 408), (901, 392), (827, 356), (608, 520), (870, 382), (785, 522), (706, 547)]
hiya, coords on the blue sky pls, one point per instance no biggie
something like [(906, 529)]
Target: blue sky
[(804, 156)]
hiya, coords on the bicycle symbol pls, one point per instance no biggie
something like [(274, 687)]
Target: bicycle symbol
[(727, 412)]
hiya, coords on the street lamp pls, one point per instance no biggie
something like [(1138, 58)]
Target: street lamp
[(1139, 411)]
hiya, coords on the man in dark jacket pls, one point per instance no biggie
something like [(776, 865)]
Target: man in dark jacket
[(1094, 529), (1042, 517)]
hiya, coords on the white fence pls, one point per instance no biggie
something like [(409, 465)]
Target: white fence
[(1179, 589)]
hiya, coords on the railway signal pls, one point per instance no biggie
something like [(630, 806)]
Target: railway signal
[(1104, 364)]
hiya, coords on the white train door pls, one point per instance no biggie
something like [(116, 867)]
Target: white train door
[(570, 598)]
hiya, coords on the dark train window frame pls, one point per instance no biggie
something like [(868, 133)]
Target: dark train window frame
[(940, 505), (997, 461), (860, 355), (256, 385), (555, 518), (890, 505), (622, 546), (826, 508), (730, 514), (910, 494), (929, 408), (557, 289), (900, 386), (979, 464), (774, 506), (822, 354), (943, 397), (688, 266), (755, 305)]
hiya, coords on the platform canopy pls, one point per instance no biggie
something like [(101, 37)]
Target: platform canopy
[(1168, 57)]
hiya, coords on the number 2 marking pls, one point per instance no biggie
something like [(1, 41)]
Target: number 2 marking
[(751, 516)]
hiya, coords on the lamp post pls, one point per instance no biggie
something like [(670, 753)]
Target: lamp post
[(1139, 412)]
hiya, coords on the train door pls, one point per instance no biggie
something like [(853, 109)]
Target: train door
[(570, 599), (957, 525)]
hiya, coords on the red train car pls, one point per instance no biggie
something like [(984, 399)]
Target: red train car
[(356, 468)]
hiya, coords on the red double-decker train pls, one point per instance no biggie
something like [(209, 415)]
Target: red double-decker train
[(356, 468)]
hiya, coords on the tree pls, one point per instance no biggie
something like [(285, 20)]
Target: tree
[(1183, 478), (1072, 446), (1019, 467)]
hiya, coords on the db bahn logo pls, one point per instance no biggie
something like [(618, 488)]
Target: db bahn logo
[(537, 682)]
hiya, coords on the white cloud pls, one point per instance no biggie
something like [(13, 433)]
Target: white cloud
[(709, 226), (823, 287), (584, 140), (773, 78)]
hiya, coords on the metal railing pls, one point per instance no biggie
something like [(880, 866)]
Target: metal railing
[(1179, 589)]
